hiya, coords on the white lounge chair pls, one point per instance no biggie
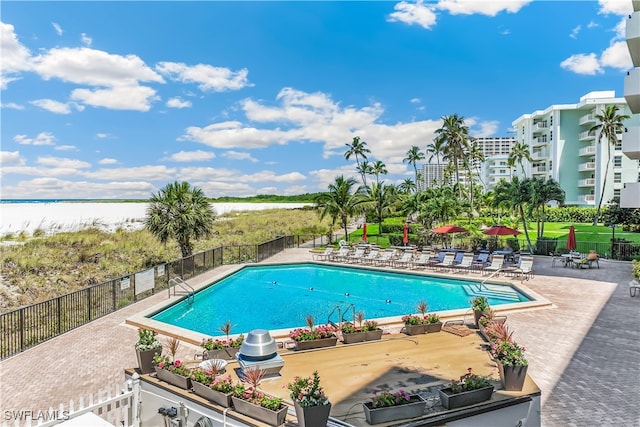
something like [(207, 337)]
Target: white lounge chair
[(423, 260), (405, 260), (324, 255), (356, 256), (524, 267), (447, 262), (340, 254), (385, 258), (466, 262), (497, 263), (370, 258)]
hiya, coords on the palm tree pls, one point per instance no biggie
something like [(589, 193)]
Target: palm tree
[(339, 201), (181, 212), (455, 137), (379, 168), (364, 168), (407, 186), (541, 193), (414, 155), (519, 153), (514, 195), (379, 199), (436, 149), (611, 124), (358, 148)]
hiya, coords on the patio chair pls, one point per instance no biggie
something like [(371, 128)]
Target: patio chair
[(370, 258), (324, 255), (556, 257), (340, 254), (593, 257), (405, 260), (458, 258), (524, 268), (356, 256), (466, 262), (423, 260), (481, 261), (497, 263), (634, 287), (447, 261), (437, 259), (385, 258)]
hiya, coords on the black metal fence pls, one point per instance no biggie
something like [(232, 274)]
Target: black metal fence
[(28, 326)]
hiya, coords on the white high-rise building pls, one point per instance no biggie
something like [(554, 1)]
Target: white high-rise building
[(433, 176), (563, 148)]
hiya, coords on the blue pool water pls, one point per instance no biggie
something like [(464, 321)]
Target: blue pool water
[(281, 297)]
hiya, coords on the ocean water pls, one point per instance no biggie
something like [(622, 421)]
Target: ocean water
[(58, 215)]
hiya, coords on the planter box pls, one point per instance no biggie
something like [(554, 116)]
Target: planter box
[(324, 342), (267, 416), (466, 398), (145, 360), (354, 337), (374, 335), (477, 315), (512, 376), (312, 416), (415, 329), (174, 379), (392, 413), (217, 397), (434, 327), (223, 353)]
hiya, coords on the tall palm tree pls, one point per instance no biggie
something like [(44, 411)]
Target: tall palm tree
[(436, 149), (541, 193), (364, 168), (181, 212), (519, 153), (358, 148), (379, 168), (455, 135), (339, 201), (414, 155), (379, 199), (407, 186), (515, 195), (611, 124)]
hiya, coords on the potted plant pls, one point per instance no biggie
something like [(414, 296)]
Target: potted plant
[(221, 349), (311, 403), (391, 406), (512, 363), (493, 327), (314, 336), (372, 330), (172, 372), (469, 390), (480, 307), (414, 324), (352, 334), (147, 347), (433, 323), (202, 381), (249, 401)]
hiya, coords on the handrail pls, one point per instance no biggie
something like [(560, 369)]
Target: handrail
[(177, 281), (489, 277), (340, 314)]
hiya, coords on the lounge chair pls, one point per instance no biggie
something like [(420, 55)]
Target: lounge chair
[(423, 260), (458, 258), (385, 258), (370, 258), (404, 260), (447, 261), (356, 256), (466, 262), (437, 259), (524, 267), (340, 254), (324, 255), (497, 263), (481, 261)]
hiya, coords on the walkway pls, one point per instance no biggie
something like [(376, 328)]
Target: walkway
[(583, 353)]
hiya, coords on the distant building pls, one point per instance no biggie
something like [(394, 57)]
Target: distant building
[(563, 148), (433, 176), (496, 150)]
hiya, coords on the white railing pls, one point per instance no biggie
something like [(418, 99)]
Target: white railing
[(539, 169), (540, 140), (587, 151), (589, 182), (586, 166), (588, 198), (540, 125), (539, 154), (586, 135), (587, 118)]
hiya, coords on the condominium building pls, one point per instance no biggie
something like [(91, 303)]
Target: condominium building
[(563, 148), (433, 175), (496, 150), (630, 193)]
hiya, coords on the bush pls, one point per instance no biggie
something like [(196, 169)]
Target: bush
[(546, 245)]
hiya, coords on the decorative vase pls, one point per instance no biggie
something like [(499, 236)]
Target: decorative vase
[(145, 359), (477, 315), (354, 337), (413, 409), (512, 376), (312, 416), (215, 396), (267, 416), (374, 335), (174, 379), (434, 327), (452, 400), (323, 342), (415, 329)]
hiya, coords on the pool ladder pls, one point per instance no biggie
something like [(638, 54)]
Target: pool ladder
[(341, 314), (177, 281)]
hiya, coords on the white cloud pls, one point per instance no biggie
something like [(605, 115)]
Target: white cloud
[(488, 8), (575, 32), (15, 57), (178, 103), (11, 158), (486, 129), (270, 176), (107, 161), (102, 135), (592, 24), (13, 106), (65, 147), (57, 28), (207, 77), (617, 56), (192, 156), (43, 138), (615, 7), (415, 100), (150, 173), (217, 188), (293, 190), (134, 97), (414, 13), (61, 162), (85, 39), (47, 188), (582, 64), (236, 155), (52, 106), (504, 32), (268, 190)]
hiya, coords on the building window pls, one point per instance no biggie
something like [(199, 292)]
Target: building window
[(617, 177), (617, 161), (616, 192), (618, 145)]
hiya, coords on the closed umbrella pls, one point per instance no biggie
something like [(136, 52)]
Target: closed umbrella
[(364, 231), (405, 236), (571, 239), (449, 229)]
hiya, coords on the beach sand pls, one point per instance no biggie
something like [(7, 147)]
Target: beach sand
[(57, 217)]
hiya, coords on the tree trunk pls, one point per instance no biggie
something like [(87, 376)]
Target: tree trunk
[(524, 223), (604, 186)]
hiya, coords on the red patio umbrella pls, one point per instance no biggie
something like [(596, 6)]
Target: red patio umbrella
[(501, 230), (571, 239), (405, 236), (449, 229), (364, 231)]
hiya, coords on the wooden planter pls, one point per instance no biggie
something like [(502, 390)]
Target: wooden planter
[(512, 376), (145, 360), (452, 401), (223, 353), (433, 327), (174, 379), (324, 342), (477, 315), (374, 335), (215, 396), (413, 409), (354, 337), (312, 416), (415, 329), (267, 416)]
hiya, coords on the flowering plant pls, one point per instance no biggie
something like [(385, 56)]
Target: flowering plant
[(307, 391), (480, 303), (349, 328), (370, 325), (432, 318), (413, 319), (469, 382), (147, 340), (509, 353), (203, 377), (252, 395), (217, 344), (307, 334), (223, 385), (385, 398), (177, 367)]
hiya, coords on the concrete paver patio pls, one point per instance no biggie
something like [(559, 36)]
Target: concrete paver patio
[(583, 352)]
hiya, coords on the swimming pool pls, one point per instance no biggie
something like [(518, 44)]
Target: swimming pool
[(282, 296)]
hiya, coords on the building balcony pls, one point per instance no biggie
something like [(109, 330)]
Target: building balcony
[(632, 90), (633, 37), (587, 135), (589, 199), (589, 166), (587, 119), (589, 182), (631, 142), (539, 155), (630, 195), (538, 141), (539, 169), (587, 151)]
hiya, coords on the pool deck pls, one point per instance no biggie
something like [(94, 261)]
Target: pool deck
[(583, 350)]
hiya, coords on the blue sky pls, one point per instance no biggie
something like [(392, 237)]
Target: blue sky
[(114, 100)]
